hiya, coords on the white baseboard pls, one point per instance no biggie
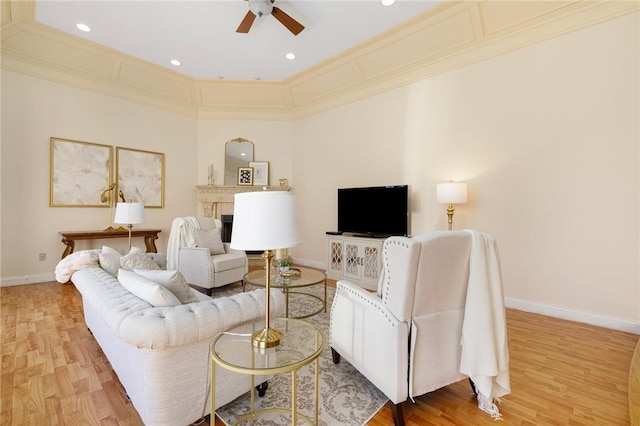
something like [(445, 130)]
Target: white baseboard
[(310, 263), (577, 316), (521, 305), (26, 279)]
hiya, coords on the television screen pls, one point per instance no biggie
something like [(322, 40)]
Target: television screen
[(374, 211)]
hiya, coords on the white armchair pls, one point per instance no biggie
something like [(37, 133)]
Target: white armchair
[(196, 250), (437, 318)]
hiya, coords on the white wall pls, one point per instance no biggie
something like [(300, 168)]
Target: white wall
[(33, 110), (547, 138)]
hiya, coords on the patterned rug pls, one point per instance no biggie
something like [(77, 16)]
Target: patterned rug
[(346, 397)]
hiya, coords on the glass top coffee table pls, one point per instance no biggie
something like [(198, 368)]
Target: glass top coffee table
[(301, 344), (291, 285)]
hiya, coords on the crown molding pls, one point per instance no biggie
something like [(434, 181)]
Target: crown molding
[(449, 36)]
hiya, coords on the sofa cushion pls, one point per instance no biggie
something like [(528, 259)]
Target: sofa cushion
[(173, 281), (226, 262), (143, 326), (110, 260), (210, 239), (147, 290), (137, 259)]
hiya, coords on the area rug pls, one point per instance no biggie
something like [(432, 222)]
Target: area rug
[(346, 396)]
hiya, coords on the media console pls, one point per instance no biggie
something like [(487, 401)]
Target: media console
[(354, 258)]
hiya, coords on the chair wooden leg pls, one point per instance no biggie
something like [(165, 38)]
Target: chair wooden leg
[(396, 413), (335, 356)]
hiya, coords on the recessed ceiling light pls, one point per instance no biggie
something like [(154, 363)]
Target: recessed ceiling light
[(388, 2), (175, 62), (290, 56), (83, 27)]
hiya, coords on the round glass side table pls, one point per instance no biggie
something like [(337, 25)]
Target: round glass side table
[(300, 345), (292, 284)]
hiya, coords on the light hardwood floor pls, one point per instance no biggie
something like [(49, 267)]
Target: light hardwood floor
[(54, 373)]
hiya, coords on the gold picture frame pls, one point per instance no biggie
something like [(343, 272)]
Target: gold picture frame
[(260, 172), (245, 176), (79, 172), (140, 176)]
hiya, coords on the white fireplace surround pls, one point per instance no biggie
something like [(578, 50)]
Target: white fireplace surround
[(216, 200)]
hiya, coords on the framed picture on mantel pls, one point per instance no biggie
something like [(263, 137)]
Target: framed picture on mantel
[(245, 176), (260, 172)]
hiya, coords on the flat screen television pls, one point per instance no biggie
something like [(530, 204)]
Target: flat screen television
[(377, 211)]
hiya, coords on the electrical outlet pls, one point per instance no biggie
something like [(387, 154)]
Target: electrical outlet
[(42, 256)]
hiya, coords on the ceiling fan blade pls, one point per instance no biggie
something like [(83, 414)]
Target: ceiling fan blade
[(292, 25), (246, 23)]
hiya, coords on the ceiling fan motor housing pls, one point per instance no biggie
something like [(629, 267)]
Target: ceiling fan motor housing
[(260, 7)]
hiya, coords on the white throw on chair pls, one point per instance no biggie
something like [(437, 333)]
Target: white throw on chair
[(438, 317), (195, 248)]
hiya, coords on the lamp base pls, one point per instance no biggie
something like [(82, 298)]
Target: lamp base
[(266, 338), (112, 229), (450, 216)]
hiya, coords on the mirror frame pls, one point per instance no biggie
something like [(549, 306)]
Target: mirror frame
[(231, 170)]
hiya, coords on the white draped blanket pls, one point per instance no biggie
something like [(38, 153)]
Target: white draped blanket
[(485, 356), (181, 235)]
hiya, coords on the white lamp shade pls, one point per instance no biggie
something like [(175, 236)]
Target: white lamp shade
[(265, 220), (452, 192), (129, 213)]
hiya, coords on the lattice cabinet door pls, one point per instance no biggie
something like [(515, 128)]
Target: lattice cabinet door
[(372, 259), (336, 261), (352, 259)]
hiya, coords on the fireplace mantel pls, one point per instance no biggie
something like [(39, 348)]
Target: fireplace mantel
[(216, 200)]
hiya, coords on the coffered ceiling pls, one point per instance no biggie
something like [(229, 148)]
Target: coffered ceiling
[(202, 34), (349, 50)]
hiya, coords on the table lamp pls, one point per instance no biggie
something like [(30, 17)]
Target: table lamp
[(129, 214), (265, 220), (451, 193)]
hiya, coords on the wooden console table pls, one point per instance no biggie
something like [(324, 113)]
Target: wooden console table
[(69, 238)]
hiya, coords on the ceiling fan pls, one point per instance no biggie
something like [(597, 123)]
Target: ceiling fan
[(265, 7)]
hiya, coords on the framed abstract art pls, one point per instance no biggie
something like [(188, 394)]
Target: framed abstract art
[(140, 176), (79, 173)]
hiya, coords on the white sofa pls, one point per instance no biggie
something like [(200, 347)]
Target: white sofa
[(161, 354)]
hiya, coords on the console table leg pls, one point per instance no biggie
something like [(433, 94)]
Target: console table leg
[(69, 247), (150, 243)]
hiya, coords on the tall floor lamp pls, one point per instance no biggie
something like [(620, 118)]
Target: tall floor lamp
[(129, 214), (451, 193), (265, 220)]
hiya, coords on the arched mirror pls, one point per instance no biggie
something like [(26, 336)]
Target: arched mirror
[(237, 153)]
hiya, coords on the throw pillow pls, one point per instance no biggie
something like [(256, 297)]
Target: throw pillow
[(173, 281), (137, 259), (160, 259), (210, 239), (147, 290), (110, 260)]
